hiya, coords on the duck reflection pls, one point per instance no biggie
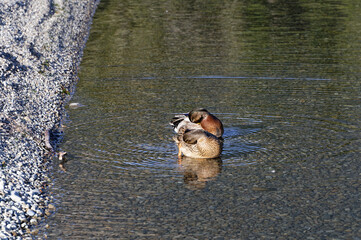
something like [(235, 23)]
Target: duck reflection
[(197, 172)]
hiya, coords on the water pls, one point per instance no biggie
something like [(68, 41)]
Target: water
[(284, 79)]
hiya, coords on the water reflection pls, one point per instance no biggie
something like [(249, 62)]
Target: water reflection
[(197, 172)]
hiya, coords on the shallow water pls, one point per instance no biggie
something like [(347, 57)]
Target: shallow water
[(284, 79)]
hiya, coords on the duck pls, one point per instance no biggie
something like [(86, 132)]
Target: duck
[(198, 134)]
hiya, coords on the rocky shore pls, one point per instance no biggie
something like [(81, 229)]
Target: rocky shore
[(41, 45)]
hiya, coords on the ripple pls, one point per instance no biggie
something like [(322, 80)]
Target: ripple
[(242, 77), (126, 145), (236, 148), (254, 77)]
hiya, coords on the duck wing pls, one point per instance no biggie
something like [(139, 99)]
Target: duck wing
[(191, 136)]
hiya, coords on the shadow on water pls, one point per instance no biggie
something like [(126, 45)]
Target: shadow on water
[(282, 76)]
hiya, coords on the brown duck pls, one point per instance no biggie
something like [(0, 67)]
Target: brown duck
[(199, 134)]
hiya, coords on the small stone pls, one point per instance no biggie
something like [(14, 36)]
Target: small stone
[(2, 186), (33, 221), (3, 235), (22, 218), (75, 105), (30, 213), (51, 207), (15, 197), (47, 212), (35, 232), (61, 155), (34, 177), (35, 192), (40, 212), (47, 140), (11, 226), (15, 219), (34, 207)]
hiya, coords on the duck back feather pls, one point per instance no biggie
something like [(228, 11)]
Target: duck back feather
[(183, 121)]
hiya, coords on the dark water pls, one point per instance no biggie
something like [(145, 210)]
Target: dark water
[(283, 76)]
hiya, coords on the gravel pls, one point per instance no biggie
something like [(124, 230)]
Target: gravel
[(41, 44)]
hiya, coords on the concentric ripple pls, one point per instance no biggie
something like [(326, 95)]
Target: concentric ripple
[(120, 143)]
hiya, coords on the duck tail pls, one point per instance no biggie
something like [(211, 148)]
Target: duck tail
[(176, 121)]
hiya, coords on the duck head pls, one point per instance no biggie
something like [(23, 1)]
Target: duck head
[(209, 122)]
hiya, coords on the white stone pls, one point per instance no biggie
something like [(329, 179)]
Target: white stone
[(30, 213), (15, 197), (2, 185), (33, 221)]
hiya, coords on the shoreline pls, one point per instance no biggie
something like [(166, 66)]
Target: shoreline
[(41, 46)]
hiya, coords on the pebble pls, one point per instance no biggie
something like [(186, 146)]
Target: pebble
[(33, 221), (51, 207), (35, 192), (22, 218), (30, 213), (15, 197), (2, 185), (75, 105)]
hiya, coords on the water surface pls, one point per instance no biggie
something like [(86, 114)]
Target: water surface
[(284, 79)]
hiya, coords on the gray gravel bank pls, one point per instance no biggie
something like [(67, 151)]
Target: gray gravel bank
[(41, 44)]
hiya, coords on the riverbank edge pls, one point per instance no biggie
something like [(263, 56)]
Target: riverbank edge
[(41, 46)]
